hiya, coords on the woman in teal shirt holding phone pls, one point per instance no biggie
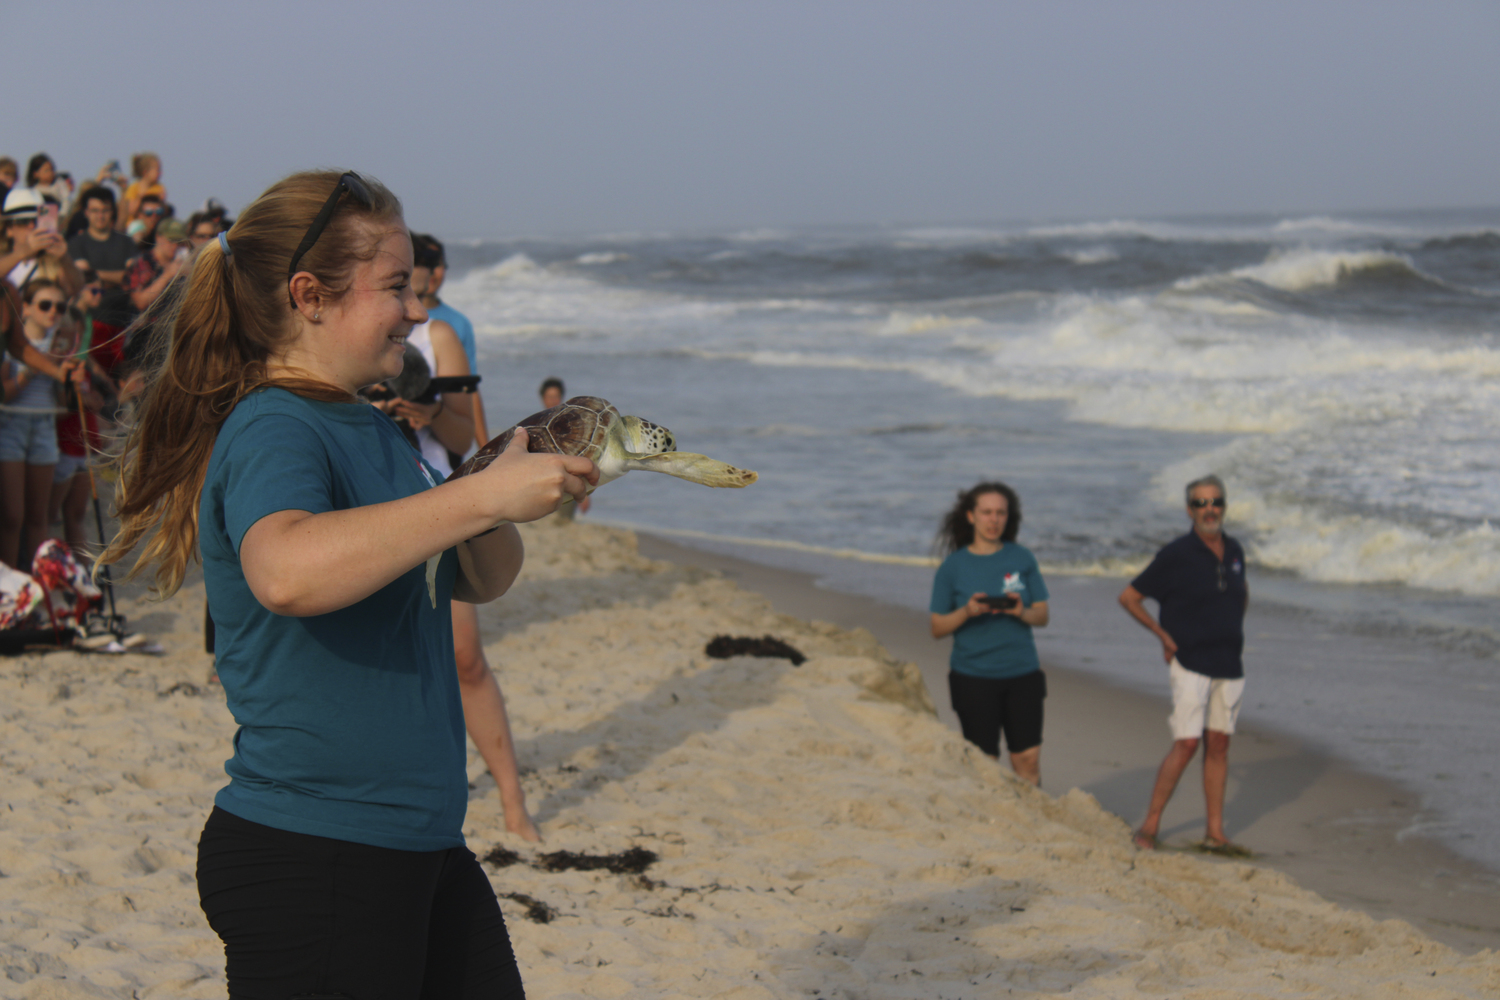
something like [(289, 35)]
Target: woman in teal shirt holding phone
[(989, 595)]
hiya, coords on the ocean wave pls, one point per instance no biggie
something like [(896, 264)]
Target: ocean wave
[(519, 297), (902, 324), (1485, 240), (1355, 549), (1110, 228), (1314, 225), (1304, 270), (1091, 255), (529, 331), (780, 543), (1322, 539), (597, 257)]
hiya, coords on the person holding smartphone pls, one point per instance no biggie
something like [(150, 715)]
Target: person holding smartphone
[(989, 594), (34, 252)]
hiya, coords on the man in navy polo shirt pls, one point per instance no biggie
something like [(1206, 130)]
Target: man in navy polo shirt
[(1198, 581)]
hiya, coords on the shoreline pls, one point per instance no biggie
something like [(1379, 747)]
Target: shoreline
[(1346, 834)]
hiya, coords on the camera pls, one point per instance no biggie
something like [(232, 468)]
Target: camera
[(417, 384)]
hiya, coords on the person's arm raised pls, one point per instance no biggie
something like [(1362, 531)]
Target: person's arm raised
[(302, 564)]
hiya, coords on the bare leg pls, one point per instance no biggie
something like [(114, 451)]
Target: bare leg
[(12, 513), (1028, 765), (1167, 776), (486, 720), (38, 496), (1215, 777), (75, 511), (55, 501)]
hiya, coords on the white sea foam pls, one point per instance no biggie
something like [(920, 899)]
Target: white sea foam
[(903, 324), (596, 257), (1296, 503), (1092, 255), (519, 297)]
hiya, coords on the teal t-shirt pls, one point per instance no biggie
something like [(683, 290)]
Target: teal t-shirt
[(997, 645), (350, 723)]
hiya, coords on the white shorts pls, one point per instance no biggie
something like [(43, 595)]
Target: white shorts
[(1200, 703)]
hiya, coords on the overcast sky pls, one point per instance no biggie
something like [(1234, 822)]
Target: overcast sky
[(537, 118)]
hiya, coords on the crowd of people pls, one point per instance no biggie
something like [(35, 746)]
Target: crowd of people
[(81, 261)]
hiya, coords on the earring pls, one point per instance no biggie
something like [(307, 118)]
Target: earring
[(317, 316)]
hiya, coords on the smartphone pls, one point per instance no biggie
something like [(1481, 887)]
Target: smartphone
[(46, 219), (1001, 601)]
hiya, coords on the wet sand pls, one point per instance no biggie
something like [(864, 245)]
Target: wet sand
[(818, 830)]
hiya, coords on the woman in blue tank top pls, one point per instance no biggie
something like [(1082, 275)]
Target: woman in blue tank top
[(333, 862)]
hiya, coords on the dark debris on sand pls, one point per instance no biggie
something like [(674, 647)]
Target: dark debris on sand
[(722, 647), (501, 857), (632, 862), (537, 911)]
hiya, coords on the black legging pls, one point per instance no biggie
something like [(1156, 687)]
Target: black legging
[(309, 916)]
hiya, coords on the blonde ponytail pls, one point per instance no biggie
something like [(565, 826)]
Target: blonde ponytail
[(218, 325)]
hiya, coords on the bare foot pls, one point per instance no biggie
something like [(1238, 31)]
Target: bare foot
[(1224, 848), (522, 826), (1144, 841)]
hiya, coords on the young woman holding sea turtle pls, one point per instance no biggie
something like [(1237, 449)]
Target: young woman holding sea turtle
[(989, 594), (333, 862)]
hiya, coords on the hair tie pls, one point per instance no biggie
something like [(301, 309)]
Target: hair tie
[(224, 245)]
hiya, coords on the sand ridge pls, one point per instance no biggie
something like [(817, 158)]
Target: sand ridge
[(820, 833)]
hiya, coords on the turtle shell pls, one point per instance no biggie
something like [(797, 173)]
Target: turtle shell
[(579, 426)]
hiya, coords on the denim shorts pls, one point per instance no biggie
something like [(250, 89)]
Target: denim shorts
[(68, 466), (29, 438)]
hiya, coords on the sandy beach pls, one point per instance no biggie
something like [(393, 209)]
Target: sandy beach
[(818, 829)]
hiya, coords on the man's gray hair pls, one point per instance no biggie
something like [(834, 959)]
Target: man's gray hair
[(1209, 480)]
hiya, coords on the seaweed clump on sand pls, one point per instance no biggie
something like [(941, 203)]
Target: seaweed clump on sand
[(635, 861), (501, 857), (537, 911), (722, 647)]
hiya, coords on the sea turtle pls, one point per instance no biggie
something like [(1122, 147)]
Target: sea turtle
[(591, 427)]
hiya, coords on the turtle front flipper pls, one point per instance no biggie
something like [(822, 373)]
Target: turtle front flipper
[(693, 468)]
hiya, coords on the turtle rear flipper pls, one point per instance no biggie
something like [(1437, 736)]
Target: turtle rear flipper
[(694, 468)]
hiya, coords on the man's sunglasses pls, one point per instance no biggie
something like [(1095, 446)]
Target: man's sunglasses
[(49, 305), (1200, 504), (151, 211), (350, 182)]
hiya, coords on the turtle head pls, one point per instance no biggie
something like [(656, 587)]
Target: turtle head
[(642, 437)]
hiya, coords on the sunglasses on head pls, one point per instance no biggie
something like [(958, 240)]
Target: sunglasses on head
[(350, 182), (48, 305), (1200, 504)]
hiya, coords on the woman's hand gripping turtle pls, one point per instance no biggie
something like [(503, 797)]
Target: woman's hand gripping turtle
[(518, 486)]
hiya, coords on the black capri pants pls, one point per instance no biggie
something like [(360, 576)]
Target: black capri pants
[(986, 706), (304, 916)]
